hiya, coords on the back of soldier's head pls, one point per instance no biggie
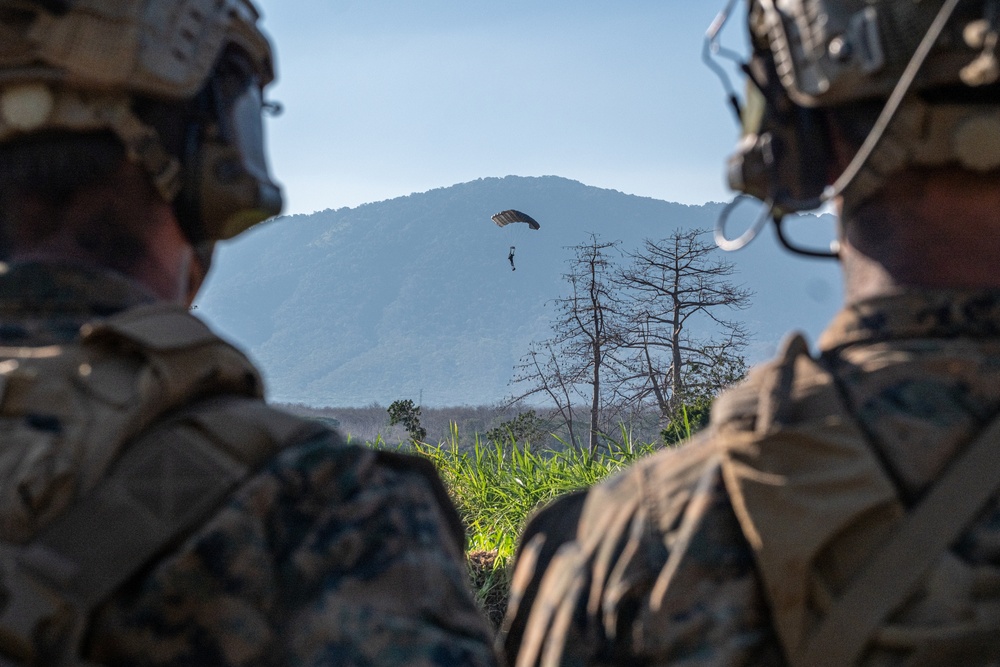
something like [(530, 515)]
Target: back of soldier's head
[(904, 85), (174, 87)]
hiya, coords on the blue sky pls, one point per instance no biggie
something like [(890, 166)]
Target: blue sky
[(384, 98)]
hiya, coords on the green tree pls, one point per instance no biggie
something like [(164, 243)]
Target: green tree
[(406, 413), (526, 426), (686, 421)]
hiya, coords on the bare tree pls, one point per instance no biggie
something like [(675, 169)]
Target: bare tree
[(652, 333), (684, 349), (541, 372), (587, 333)]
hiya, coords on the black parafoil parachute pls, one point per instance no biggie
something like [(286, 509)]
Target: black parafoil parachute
[(504, 218)]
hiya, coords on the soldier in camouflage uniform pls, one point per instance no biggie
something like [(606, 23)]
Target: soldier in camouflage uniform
[(843, 506), (153, 509)]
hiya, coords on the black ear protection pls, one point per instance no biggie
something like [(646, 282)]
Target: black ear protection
[(784, 155), (227, 187), (783, 158)]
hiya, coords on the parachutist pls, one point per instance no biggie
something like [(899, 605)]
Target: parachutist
[(504, 218)]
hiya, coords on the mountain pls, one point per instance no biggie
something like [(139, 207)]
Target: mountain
[(413, 297)]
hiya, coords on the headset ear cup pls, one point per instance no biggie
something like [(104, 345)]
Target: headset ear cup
[(235, 190), (231, 199), (784, 157), (226, 188), (187, 205), (808, 170)]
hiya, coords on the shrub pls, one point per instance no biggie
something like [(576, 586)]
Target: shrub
[(686, 421), (525, 427), (407, 414)]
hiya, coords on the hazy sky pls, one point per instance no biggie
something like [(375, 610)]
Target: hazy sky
[(384, 98)]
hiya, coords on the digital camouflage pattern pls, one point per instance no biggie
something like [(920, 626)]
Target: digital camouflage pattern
[(332, 554), (652, 566)]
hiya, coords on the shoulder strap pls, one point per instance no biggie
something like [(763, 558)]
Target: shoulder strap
[(162, 487), (913, 541), (896, 570), (158, 326)]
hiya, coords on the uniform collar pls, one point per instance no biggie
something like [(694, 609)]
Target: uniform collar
[(916, 314)]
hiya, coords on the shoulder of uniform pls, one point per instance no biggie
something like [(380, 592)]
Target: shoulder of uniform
[(321, 456), (309, 444), (557, 520), (159, 326), (418, 465), (190, 358), (793, 386), (320, 453)]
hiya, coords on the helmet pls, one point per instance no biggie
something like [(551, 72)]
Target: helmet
[(89, 65), (918, 78)]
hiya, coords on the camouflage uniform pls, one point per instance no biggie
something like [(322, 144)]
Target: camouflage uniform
[(332, 554), (658, 566)]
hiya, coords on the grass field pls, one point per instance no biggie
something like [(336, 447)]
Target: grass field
[(497, 485)]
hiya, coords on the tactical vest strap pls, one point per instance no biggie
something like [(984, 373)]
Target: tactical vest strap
[(154, 422), (895, 571), (161, 489), (155, 327), (248, 429)]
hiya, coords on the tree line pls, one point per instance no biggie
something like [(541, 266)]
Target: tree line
[(637, 330)]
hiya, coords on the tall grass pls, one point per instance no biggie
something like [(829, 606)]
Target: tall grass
[(496, 485)]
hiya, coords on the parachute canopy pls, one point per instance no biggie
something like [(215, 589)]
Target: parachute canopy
[(504, 218)]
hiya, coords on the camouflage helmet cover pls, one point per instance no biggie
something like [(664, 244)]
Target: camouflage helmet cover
[(160, 48)]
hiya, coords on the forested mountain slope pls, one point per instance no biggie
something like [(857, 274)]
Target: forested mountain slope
[(413, 297)]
